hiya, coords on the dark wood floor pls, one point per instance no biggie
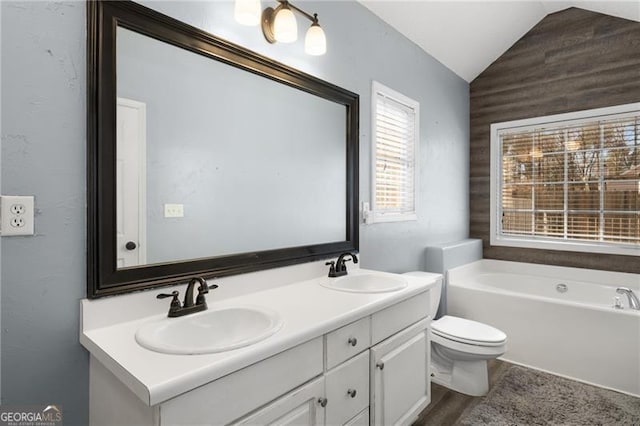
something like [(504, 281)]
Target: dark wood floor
[(448, 406)]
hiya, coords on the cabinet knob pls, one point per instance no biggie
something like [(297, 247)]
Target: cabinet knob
[(352, 393), (352, 341), (323, 402), (380, 365), (130, 245)]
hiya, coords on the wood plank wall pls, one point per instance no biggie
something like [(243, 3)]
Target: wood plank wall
[(571, 60)]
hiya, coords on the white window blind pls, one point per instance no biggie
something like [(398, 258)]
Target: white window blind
[(576, 182), (395, 130)]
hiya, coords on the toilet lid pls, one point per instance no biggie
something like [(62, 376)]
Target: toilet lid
[(461, 329)]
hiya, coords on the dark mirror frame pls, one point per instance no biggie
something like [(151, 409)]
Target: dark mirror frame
[(103, 278)]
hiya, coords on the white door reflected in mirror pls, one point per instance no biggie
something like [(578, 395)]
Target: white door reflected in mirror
[(131, 183)]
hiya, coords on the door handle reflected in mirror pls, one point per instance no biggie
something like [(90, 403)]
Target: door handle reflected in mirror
[(130, 245)]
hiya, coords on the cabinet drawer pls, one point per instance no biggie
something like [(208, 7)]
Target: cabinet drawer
[(399, 316), (235, 395), (347, 388), (345, 342), (299, 407)]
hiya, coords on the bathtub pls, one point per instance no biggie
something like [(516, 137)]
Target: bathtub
[(576, 333)]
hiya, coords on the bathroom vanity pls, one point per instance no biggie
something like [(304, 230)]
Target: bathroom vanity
[(339, 357)]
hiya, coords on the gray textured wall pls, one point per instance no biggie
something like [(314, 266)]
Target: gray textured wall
[(43, 153), (0, 192), (362, 48)]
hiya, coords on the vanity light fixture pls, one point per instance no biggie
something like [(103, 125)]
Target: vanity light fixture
[(315, 42), (280, 24)]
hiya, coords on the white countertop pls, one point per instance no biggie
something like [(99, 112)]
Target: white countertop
[(308, 310)]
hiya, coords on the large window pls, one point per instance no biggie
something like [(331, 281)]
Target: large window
[(395, 123), (568, 182)]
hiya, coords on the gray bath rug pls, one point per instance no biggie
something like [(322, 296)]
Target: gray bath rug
[(528, 397)]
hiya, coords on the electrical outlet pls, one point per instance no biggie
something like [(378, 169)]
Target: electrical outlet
[(174, 210), (16, 215), (17, 209), (17, 222)]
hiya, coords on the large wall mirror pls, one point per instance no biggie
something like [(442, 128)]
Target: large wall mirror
[(206, 158)]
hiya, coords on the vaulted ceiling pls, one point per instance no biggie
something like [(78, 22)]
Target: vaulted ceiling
[(467, 36)]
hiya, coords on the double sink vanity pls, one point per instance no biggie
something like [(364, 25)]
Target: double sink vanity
[(346, 350)]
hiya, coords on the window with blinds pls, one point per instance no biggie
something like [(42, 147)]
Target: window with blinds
[(395, 122), (575, 182)]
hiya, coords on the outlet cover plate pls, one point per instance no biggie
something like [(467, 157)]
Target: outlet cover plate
[(16, 215), (174, 210)]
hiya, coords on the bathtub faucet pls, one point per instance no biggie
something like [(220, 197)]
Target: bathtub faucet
[(634, 303)]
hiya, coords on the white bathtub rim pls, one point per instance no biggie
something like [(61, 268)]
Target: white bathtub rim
[(599, 307), (564, 376), (588, 276), (466, 276)]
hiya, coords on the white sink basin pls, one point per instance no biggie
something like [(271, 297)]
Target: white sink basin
[(211, 331), (366, 283)]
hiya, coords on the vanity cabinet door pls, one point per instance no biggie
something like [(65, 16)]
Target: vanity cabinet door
[(400, 376), (303, 406)]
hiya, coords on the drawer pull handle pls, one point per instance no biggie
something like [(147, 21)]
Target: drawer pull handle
[(352, 341), (352, 393), (323, 402), (380, 365)]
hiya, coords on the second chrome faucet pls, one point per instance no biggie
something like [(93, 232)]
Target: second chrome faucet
[(634, 303)]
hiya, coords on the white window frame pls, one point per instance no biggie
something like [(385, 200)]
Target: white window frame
[(376, 215), (496, 236)]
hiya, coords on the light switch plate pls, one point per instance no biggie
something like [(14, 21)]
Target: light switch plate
[(16, 215), (174, 210)]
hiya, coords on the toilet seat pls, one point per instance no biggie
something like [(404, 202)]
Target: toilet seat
[(467, 332), (468, 350)]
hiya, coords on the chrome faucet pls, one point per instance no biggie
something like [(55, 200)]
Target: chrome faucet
[(634, 303), (338, 268), (176, 309)]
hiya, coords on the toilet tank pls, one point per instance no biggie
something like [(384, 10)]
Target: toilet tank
[(444, 256), (436, 288)]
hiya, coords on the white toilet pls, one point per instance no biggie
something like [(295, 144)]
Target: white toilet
[(460, 349)]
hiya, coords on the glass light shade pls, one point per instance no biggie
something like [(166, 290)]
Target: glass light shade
[(285, 27), (247, 12), (315, 42)]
